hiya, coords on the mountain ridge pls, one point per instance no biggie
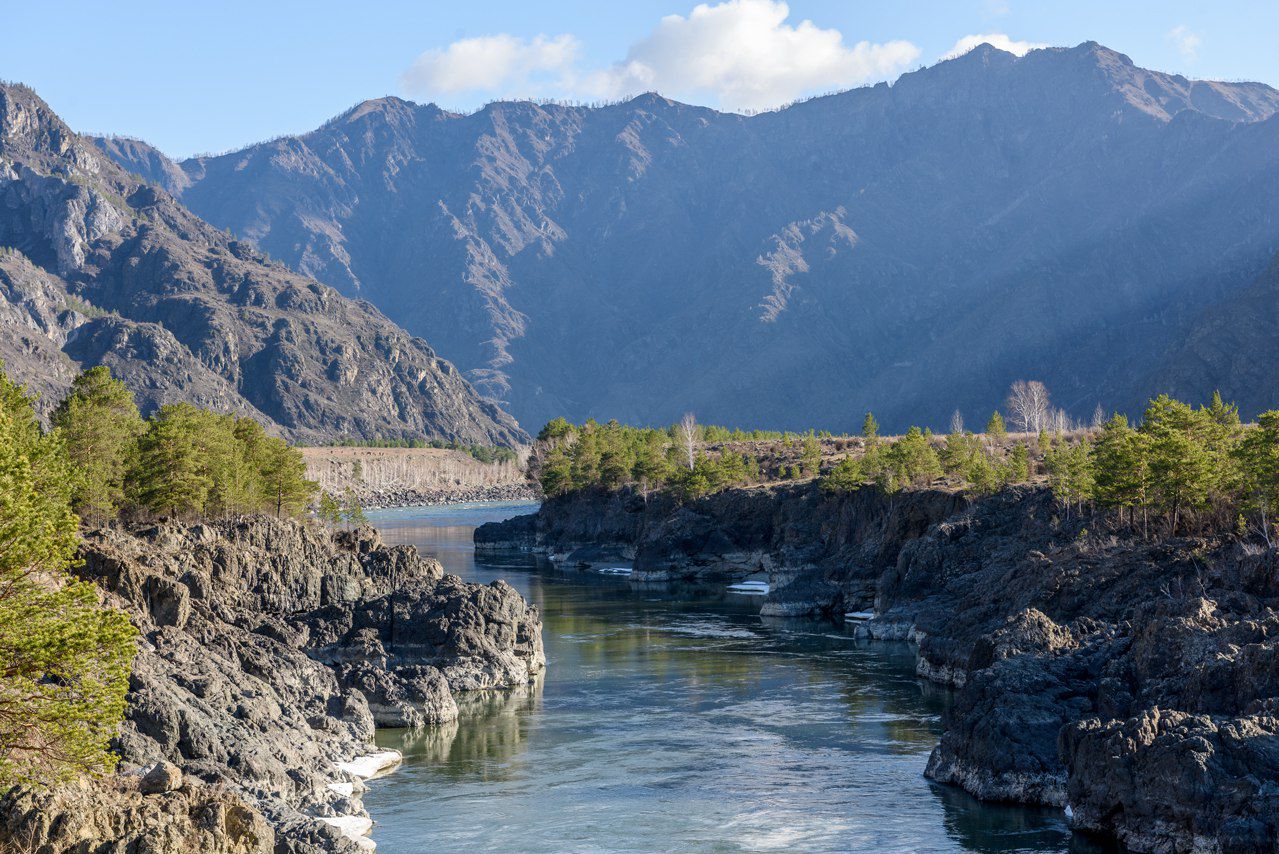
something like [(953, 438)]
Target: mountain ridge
[(102, 268), (999, 217)]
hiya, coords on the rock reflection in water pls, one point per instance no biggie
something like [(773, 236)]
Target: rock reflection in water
[(492, 728)]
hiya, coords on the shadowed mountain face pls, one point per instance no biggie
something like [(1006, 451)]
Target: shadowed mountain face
[(98, 267), (910, 249)]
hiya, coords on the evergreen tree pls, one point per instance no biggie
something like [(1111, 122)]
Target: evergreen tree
[(911, 460), (556, 473), (1070, 471), (352, 512), (557, 428), (846, 476), (995, 427), (329, 510), (958, 454), (1120, 466), (1258, 455), (172, 474), (100, 424), (283, 476), (66, 658), (812, 456), (1180, 465)]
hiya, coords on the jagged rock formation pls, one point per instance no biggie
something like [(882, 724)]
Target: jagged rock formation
[(269, 652), (1133, 683), (821, 553), (188, 818), (909, 249), (98, 267)]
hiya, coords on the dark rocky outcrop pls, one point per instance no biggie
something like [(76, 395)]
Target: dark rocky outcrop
[(908, 248), (269, 652), (1132, 682), (98, 267), (821, 553)]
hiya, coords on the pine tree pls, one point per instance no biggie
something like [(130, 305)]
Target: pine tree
[(66, 658), (283, 476), (171, 474), (1180, 465), (870, 427), (995, 427), (812, 456), (352, 512), (1070, 471), (1258, 455), (100, 424), (329, 510), (845, 477), (912, 460)]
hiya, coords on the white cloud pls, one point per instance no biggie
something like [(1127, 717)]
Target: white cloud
[(501, 64), (738, 54), (746, 55), (998, 40), (1187, 42)]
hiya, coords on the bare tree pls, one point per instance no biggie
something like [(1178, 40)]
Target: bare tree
[(1058, 421), (686, 435), (1098, 417), (1028, 406), (956, 422)]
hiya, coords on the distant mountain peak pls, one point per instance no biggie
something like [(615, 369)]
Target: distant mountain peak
[(911, 248), (100, 267)]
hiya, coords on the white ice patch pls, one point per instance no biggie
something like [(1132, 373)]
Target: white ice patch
[(616, 570), (343, 789), (368, 766), (859, 616), (750, 588), (353, 827)]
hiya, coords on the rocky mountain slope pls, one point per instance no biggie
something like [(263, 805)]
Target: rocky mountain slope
[(910, 248), (99, 267), (268, 653), (1130, 682)]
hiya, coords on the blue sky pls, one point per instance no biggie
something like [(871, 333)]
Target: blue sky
[(212, 76)]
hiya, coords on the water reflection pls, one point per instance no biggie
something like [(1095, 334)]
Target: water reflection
[(678, 719)]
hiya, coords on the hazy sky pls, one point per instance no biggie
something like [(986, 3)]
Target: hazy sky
[(212, 76)]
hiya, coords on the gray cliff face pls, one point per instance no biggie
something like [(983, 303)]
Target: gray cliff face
[(821, 553), (907, 248), (1132, 681), (270, 651), (98, 267)]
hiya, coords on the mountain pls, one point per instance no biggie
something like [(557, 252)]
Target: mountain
[(911, 249), (99, 267)]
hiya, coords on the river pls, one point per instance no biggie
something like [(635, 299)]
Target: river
[(676, 720)]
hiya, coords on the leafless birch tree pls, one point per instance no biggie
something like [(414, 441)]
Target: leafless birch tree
[(956, 423), (686, 435), (1028, 406)]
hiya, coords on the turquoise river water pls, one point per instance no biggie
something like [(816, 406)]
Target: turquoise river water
[(680, 720)]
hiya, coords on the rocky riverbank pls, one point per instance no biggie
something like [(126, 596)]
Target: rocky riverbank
[(269, 652), (821, 554), (1132, 683), (382, 499)]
